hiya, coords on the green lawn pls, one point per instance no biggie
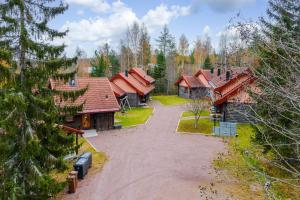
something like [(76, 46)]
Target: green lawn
[(238, 166), (204, 126), (133, 117), (171, 100), (189, 114)]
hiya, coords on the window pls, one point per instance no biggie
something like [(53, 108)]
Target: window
[(185, 90), (72, 82)]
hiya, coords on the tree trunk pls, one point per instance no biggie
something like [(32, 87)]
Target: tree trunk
[(21, 42)]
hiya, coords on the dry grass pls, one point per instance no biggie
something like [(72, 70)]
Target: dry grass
[(99, 158), (237, 174)]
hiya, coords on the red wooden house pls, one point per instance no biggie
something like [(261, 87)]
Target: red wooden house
[(135, 84), (99, 103), (196, 85), (228, 90), (230, 94)]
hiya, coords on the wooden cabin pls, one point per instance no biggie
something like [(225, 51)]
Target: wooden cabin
[(196, 85), (99, 103), (136, 85), (230, 95)]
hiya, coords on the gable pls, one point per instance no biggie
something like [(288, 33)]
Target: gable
[(124, 85)]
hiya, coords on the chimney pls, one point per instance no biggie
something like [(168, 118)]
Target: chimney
[(219, 71), (126, 73), (227, 75)]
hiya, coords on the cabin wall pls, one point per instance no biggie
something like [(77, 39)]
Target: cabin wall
[(183, 92), (237, 112), (98, 121), (134, 99), (104, 121), (76, 123), (200, 92)]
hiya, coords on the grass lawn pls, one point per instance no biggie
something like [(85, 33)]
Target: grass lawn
[(189, 114), (171, 100), (99, 158), (204, 126), (236, 166), (133, 117)]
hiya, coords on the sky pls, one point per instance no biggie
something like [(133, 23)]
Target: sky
[(91, 23)]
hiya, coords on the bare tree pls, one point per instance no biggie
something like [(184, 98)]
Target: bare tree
[(198, 105), (277, 112), (183, 48), (134, 35)]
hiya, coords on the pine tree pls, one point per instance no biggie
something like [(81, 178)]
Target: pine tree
[(278, 76), (31, 143), (207, 64), (160, 69), (115, 66), (166, 42), (100, 65)]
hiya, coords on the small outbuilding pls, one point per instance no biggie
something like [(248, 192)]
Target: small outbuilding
[(99, 103)]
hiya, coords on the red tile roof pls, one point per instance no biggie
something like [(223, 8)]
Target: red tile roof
[(191, 81), (220, 81), (98, 98), (207, 73), (241, 78), (142, 74), (117, 90), (133, 82)]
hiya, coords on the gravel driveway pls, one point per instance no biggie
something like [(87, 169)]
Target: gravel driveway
[(151, 162)]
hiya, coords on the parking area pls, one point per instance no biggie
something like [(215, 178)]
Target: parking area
[(151, 161)]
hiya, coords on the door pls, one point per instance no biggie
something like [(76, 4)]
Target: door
[(86, 121)]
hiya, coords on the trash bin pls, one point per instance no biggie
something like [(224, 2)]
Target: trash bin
[(72, 183), (88, 156), (81, 166)]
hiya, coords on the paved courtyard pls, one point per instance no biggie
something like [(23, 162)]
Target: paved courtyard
[(151, 162)]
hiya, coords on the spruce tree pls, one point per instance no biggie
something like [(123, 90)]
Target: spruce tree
[(277, 108), (31, 142), (207, 64), (160, 69), (114, 62), (100, 65)]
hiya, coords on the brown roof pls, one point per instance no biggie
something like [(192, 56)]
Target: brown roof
[(117, 90), (134, 83), (98, 98), (226, 89), (142, 74), (234, 72), (207, 73), (191, 81)]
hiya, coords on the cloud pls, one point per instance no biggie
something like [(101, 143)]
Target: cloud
[(95, 5), (92, 32), (206, 30), (221, 5), (163, 14), (80, 12)]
